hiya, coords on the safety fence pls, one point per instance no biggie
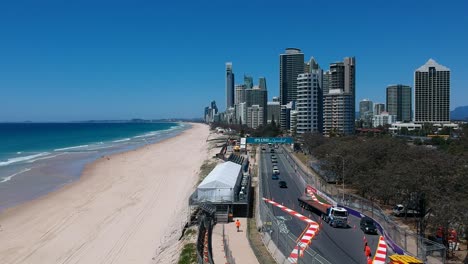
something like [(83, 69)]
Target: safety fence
[(276, 236), (227, 251), (400, 240), (204, 250)]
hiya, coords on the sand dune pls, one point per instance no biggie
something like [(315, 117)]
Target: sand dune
[(122, 210)]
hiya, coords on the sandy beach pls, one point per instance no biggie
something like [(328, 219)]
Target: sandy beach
[(124, 208)]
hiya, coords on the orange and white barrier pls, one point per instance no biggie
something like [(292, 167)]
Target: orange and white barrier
[(311, 230), (381, 252)]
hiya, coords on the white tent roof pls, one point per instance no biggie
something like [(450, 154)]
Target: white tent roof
[(222, 176)]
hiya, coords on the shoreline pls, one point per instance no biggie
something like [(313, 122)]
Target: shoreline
[(85, 173), (113, 195), (64, 169)]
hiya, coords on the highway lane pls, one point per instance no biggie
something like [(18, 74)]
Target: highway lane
[(337, 245)]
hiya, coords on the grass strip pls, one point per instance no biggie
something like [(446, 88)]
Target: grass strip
[(188, 254)]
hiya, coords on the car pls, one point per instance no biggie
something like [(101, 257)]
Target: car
[(282, 184), (274, 177), (272, 150), (274, 161), (273, 156), (368, 225), (276, 171)]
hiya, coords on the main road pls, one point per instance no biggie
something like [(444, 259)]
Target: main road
[(337, 245)]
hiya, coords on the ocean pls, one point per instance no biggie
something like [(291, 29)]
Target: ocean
[(37, 158)]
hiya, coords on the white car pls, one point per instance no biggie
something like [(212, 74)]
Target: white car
[(275, 171)]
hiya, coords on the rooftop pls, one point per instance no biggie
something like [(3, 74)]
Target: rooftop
[(432, 63)]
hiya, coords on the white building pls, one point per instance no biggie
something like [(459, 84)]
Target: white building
[(309, 102), (383, 119), (254, 116), (410, 126)]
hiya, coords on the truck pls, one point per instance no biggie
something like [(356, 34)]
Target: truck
[(334, 215)]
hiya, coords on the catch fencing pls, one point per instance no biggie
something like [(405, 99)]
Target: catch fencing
[(400, 240), (227, 251), (204, 250), (276, 236)]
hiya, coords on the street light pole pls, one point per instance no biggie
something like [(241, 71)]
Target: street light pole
[(342, 178)]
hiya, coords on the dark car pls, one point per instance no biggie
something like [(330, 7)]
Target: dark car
[(368, 225), (283, 184), (274, 177)]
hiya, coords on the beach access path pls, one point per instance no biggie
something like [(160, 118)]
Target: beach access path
[(235, 242), (124, 208)]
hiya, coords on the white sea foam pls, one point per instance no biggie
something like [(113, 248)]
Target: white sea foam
[(25, 158), (47, 157), (150, 134), (5, 179), (92, 149), (75, 147), (121, 140)]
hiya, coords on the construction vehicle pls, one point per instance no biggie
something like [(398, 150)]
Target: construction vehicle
[(333, 215)]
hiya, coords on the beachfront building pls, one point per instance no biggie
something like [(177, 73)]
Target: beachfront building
[(273, 112), (400, 102), (432, 93), (257, 96), (229, 85), (239, 95), (255, 116), (262, 83), (291, 65), (241, 113), (211, 113), (293, 124), (383, 119), (309, 101), (365, 107), (285, 115), (338, 115), (339, 102), (379, 108), (248, 82), (230, 116), (366, 111)]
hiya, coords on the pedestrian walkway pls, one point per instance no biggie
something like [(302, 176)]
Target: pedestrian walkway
[(237, 243)]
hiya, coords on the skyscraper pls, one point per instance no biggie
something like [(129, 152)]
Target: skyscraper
[(399, 102), (248, 81), (239, 96), (379, 108), (262, 83), (432, 93), (291, 65), (309, 102), (366, 112), (229, 85), (339, 102), (257, 96), (365, 106)]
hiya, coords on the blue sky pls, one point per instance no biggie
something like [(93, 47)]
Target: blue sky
[(80, 60)]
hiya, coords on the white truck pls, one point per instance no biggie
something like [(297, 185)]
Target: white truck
[(333, 215), (399, 210)]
